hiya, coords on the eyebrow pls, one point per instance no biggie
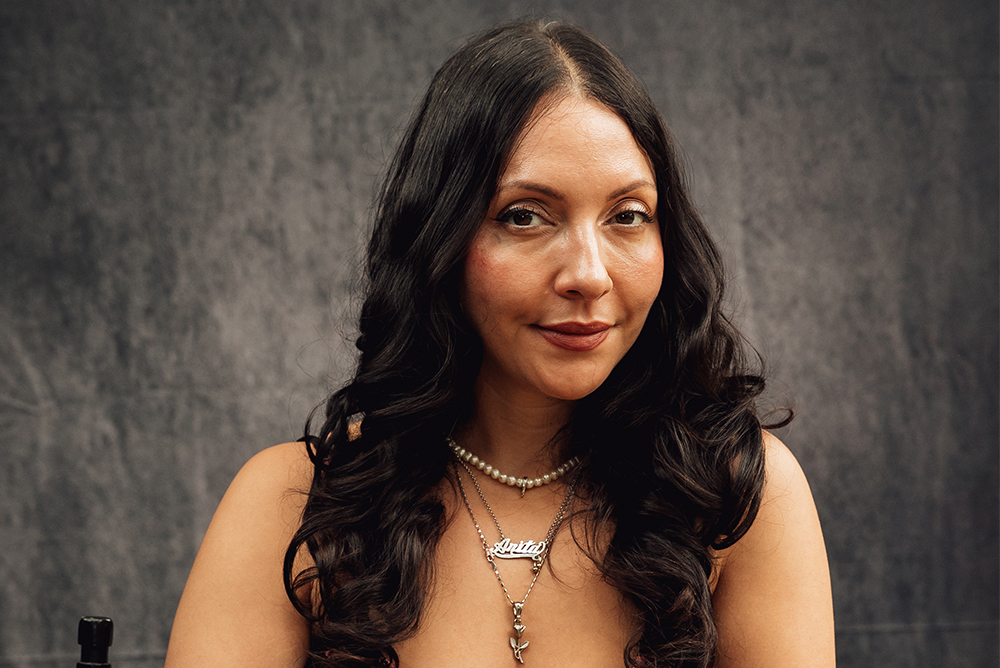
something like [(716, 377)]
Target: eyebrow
[(556, 195), (635, 185), (534, 187)]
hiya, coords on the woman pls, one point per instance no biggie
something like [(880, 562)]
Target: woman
[(549, 453)]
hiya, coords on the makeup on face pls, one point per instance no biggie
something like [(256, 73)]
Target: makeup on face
[(561, 275)]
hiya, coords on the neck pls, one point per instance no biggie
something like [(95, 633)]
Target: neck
[(516, 434)]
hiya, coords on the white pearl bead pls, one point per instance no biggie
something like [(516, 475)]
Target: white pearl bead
[(524, 483)]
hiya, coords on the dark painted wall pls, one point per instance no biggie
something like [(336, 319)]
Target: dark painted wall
[(183, 186)]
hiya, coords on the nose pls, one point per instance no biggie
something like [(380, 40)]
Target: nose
[(583, 273)]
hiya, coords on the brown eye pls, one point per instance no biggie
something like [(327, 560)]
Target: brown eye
[(520, 218), (631, 218)]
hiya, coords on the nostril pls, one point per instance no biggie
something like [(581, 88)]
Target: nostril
[(587, 281)]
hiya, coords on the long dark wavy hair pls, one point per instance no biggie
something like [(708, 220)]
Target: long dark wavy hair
[(671, 441)]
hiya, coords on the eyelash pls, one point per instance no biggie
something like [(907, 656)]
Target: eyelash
[(506, 215), (646, 218)]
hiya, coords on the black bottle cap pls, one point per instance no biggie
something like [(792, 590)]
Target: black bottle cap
[(94, 636)]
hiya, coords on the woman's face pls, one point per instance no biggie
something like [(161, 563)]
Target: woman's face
[(561, 275)]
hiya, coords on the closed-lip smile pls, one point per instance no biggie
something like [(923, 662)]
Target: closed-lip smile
[(575, 336)]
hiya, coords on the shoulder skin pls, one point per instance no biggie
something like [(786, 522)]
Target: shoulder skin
[(773, 604), (234, 610)]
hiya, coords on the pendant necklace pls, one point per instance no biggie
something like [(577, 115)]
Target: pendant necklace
[(506, 549)]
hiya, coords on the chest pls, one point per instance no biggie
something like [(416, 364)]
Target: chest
[(571, 617)]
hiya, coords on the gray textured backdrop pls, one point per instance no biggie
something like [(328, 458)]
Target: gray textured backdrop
[(183, 186)]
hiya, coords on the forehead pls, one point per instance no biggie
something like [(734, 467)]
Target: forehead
[(577, 131)]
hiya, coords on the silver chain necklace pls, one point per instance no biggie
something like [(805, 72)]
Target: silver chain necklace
[(538, 552)]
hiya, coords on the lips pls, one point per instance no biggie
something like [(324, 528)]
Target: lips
[(575, 336)]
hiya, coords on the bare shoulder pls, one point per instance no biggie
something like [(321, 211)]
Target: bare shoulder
[(281, 469), (234, 610), (786, 489), (773, 604), (268, 494)]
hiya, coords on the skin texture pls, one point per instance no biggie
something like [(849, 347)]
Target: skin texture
[(572, 253), (773, 604), (571, 237), (234, 611)]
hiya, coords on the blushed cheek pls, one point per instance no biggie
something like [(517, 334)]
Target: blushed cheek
[(478, 270), (482, 277), (475, 263)]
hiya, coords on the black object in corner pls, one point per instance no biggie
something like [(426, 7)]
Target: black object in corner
[(94, 637)]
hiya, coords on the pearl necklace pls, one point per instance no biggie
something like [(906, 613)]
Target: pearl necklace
[(513, 481)]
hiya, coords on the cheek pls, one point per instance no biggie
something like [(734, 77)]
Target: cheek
[(654, 274), (477, 264), (645, 275), (484, 284)]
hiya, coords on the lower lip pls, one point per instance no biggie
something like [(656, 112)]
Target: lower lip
[(574, 342)]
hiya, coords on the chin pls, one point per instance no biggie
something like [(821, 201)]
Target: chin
[(567, 396), (567, 390)]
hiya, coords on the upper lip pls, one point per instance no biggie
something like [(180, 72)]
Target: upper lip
[(578, 327)]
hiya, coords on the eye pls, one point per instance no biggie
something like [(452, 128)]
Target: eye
[(519, 217), (631, 217)]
